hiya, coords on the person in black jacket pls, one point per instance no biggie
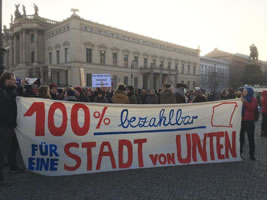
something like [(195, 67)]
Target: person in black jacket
[(8, 116)]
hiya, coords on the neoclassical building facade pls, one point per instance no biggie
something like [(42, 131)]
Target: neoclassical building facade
[(214, 74), (69, 52)]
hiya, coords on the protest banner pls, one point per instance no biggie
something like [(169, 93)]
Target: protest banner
[(101, 80), (65, 138)]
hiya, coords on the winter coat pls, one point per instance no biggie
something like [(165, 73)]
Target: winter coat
[(179, 95), (100, 100), (199, 99), (250, 110), (132, 98), (70, 98), (152, 99), (120, 97), (8, 108), (264, 101), (167, 97)]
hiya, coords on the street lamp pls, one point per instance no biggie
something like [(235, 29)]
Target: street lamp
[(2, 50)]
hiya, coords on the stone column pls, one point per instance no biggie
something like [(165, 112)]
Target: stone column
[(49, 81), (15, 50), (11, 53), (160, 79), (24, 47), (151, 80), (36, 46), (20, 47)]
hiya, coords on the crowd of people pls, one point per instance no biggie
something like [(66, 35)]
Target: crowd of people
[(126, 94), (122, 95)]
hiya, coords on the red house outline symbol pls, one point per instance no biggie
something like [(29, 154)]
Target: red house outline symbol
[(230, 122)]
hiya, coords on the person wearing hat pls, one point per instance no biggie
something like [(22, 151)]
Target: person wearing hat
[(131, 95), (166, 95), (247, 125), (81, 97), (100, 98), (120, 96), (179, 93), (70, 95)]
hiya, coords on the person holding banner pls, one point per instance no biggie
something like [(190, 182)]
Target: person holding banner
[(8, 115), (247, 125)]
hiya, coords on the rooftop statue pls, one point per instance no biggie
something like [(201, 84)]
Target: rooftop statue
[(253, 52), (17, 13), (36, 9)]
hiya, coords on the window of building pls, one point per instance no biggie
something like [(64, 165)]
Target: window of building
[(66, 55), (115, 81), (125, 60), (182, 82), (89, 55), (188, 69), (135, 61), (161, 64), (194, 70), (58, 56), (182, 68), (145, 62), (102, 57), (125, 81), (176, 66), (32, 57), (188, 84), (194, 84), (58, 78), (115, 59), (169, 65), (32, 38), (135, 82), (89, 80), (154, 62), (50, 58)]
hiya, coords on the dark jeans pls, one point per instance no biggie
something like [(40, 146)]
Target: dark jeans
[(264, 124), (249, 127), (6, 136), (12, 153)]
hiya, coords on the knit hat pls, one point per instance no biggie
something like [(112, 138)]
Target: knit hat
[(79, 89)]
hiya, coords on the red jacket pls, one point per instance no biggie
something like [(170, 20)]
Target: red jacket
[(250, 109), (264, 101)]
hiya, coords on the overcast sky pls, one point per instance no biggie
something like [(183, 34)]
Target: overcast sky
[(229, 25)]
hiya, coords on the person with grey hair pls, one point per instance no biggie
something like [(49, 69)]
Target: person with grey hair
[(152, 98)]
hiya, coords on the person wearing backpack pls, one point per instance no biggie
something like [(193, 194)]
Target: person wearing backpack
[(250, 104)]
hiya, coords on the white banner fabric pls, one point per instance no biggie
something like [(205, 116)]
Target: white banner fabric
[(65, 138)]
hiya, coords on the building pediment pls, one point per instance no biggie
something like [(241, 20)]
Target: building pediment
[(57, 46), (88, 44), (115, 49), (66, 43), (126, 51), (103, 47)]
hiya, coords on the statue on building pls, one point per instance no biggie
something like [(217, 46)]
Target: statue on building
[(11, 19), (253, 52), (36, 9), (17, 12), (24, 10), (6, 35), (74, 11)]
